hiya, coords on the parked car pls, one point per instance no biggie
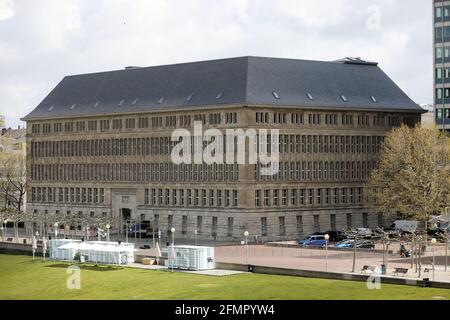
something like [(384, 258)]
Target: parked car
[(365, 244), (336, 236), (314, 240), (360, 244), (348, 243)]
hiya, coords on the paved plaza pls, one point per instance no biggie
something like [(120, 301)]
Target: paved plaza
[(338, 261)]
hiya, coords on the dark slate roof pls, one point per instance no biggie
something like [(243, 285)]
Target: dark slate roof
[(235, 81)]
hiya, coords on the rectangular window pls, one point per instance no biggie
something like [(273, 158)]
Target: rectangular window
[(300, 226), (316, 223), (184, 225), (282, 226), (333, 222), (380, 220), (349, 220), (264, 227), (199, 224), (266, 198), (230, 227), (214, 227), (258, 198), (365, 218)]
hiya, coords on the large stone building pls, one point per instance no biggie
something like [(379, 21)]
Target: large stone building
[(100, 144), (441, 47)]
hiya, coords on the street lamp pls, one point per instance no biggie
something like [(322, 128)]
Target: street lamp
[(327, 237), (5, 223), (433, 243), (173, 246), (196, 233), (107, 229), (55, 226), (446, 249), (246, 247)]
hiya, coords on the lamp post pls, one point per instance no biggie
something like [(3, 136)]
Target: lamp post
[(354, 254), (446, 250), (433, 243), (246, 247), (173, 246), (55, 226), (196, 233), (107, 230), (5, 223), (327, 237)]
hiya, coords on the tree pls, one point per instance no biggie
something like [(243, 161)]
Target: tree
[(412, 178), (13, 178)]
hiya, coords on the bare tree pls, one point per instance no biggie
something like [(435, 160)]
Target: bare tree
[(412, 179)]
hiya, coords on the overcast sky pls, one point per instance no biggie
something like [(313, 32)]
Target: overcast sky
[(41, 41)]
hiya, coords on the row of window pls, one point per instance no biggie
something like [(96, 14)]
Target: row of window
[(440, 114), (163, 146), (134, 172), (332, 225), (191, 198), (68, 195), (308, 144), (308, 197), (212, 224), (363, 120), (442, 34), (319, 171), (132, 123), (157, 122)]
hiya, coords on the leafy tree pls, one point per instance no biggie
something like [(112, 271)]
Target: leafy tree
[(412, 179)]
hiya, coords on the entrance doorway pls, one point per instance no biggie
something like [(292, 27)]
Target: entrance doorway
[(126, 214)]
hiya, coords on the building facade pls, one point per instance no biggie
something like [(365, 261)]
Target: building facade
[(441, 65), (100, 144)]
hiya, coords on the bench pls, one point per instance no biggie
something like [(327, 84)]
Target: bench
[(368, 268), (400, 271)]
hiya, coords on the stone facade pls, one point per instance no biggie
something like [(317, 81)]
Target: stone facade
[(120, 165)]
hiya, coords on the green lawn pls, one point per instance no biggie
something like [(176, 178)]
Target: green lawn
[(21, 278)]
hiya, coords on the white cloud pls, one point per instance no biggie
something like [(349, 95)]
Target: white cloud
[(6, 9), (48, 39)]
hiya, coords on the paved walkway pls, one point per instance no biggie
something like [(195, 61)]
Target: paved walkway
[(215, 272), (315, 260)]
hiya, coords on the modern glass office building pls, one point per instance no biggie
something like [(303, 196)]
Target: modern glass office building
[(441, 45)]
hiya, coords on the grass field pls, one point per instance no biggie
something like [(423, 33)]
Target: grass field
[(21, 278)]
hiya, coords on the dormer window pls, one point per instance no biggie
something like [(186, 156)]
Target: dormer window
[(219, 96), (189, 98), (51, 108), (275, 94), (373, 99), (121, 102), (160, 101), (73, 106), (344, 98), (309, 95)]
